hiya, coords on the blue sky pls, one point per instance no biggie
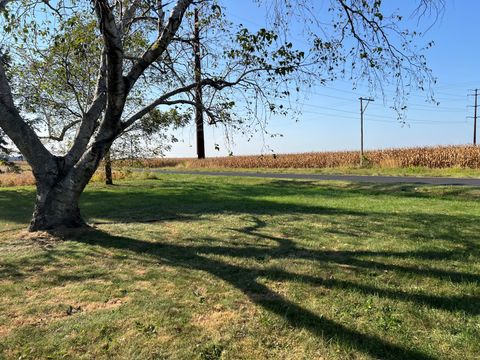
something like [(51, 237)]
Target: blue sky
[(330, 114)]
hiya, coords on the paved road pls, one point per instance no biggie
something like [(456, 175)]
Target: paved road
[(352, 178)]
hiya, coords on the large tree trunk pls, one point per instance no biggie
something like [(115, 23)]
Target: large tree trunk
[(56, 206), (59, 190)]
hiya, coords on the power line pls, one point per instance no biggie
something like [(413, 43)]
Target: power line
[(409, 104), (383, 119), (378, 116)]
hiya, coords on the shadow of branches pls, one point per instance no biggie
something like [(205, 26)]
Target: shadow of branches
[(245, 279), (187, 201)]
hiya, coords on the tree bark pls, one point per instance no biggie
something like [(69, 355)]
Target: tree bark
[(58, 192), (56, 206), (108, 169)]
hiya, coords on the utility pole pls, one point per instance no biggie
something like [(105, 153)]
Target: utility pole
[(362, 110), (475, 116), (198, 87)]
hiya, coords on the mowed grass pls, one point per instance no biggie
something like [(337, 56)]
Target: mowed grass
[(453, 172), (187, 267)]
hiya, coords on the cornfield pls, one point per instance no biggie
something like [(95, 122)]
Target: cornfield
[(428, 157)]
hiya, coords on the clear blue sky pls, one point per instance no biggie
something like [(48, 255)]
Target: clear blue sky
[(330, 119)]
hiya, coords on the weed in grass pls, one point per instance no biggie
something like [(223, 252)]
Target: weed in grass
[(211, 352)]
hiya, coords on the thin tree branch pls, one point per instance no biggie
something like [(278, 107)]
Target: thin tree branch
[(161, 43)]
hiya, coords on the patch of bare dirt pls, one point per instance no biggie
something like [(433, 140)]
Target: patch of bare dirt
[(18, 319), (42, 238), (140, 272), (215, 319), (110, 304), (4, 331), (51, 238)]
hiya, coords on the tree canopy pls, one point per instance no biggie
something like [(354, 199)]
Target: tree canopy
[(85, 73)]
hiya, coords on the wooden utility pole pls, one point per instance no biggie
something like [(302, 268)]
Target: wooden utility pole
[(475, 94), (198, 88), (475, 119), (362, 110)]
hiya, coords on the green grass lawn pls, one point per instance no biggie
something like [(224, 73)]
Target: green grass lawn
[(186, 267), (454, 172)]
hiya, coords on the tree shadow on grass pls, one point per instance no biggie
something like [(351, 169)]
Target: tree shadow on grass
[(245, 279), (287, 249), (408, 190), (167, 197), (196, 199), (199, 257), (186, 201)]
